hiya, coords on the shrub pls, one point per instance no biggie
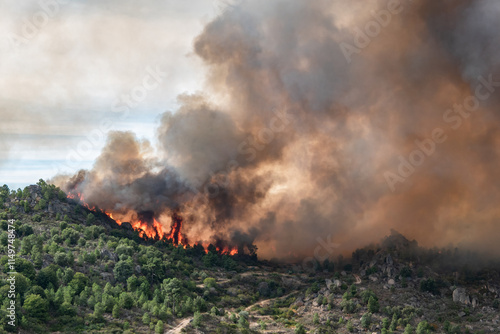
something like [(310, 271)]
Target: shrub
[(496, 304), (429, 285), (366, 320), (348, 306), (405, 272), (209, 282), (299, 329), (243, 322), (349, 326)]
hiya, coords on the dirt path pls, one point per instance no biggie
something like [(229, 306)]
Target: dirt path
[(180, 326), (267, 301)]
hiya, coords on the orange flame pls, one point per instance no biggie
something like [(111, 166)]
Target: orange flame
[(156, 230)]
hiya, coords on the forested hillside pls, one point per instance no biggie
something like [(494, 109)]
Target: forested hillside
[(77, 270)]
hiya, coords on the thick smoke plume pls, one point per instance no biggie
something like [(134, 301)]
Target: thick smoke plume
[(304, 122)]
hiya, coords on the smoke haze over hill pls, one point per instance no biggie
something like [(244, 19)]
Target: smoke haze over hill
[(324, 119)]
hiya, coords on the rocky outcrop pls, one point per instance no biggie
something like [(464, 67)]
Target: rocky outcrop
[(460, 296)]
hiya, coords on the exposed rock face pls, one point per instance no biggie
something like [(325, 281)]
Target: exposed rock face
[(460, 296), (109, 255), (329, 283)]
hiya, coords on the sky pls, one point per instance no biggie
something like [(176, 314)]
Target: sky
[(66, 66)]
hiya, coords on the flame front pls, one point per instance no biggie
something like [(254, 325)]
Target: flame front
[(154, 230)]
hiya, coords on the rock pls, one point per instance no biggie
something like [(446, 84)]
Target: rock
[(138, 269), (475, 302), (343, 273), (329, 283), (391, 282), (337, 283), (373, 278), (362, 273), (461, 314), (389, 260), (460, 296), (107, 254), (108, 277), (315, 304)]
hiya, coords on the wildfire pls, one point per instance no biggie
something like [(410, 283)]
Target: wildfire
[(154, 229), (175, 231)]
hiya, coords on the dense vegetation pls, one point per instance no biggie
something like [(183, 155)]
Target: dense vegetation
[(78, 271)]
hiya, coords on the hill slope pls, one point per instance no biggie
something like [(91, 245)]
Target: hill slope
[(79, 271)]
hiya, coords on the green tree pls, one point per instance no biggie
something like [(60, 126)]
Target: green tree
[(60, 259), (423, 328), (123, 270), (394, 322), (385, 323), (315, 318), (209, 282), (126, 300), (36, 307), (373, 305), (197, 319), (90, 219), (408, 329), (71, 235), (24, 267), (116, 311), (159, 328), (172, 289), (146, 319), (99, 311)]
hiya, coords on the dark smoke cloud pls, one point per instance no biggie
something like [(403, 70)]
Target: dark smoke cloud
[(289, 142)]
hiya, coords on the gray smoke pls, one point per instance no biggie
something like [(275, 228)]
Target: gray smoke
[(290, 142)]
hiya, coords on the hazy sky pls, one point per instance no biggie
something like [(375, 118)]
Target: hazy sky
[(65, 67)]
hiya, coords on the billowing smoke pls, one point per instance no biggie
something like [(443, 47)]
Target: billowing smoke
[(325, 120)]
